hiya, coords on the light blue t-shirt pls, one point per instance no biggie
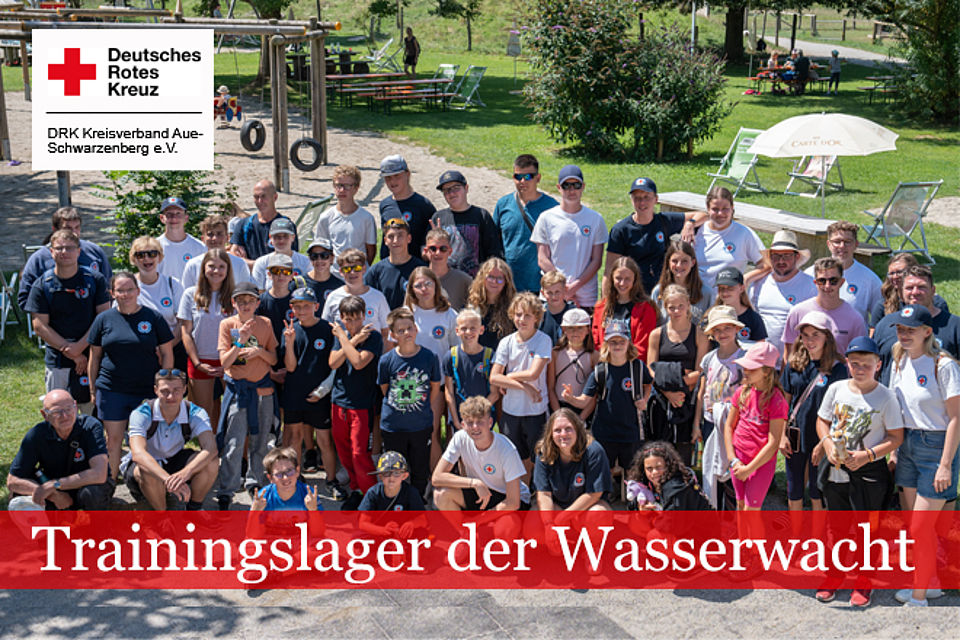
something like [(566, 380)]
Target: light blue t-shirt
[(519, 252), (295, 503)]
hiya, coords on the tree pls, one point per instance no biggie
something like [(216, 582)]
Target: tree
[(469, 10)]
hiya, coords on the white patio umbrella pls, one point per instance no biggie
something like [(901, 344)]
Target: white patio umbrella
[(824, 134)]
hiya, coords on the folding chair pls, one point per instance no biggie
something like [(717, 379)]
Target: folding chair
[(381, 61), (902, 215), (815, 171), (469, 88), (8, 303), (739, 165), (448, 71), (307, 220)]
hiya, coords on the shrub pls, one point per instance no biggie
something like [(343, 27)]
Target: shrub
[(611, 95)]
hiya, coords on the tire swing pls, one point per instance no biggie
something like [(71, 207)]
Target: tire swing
[(306, 143), (251, 127)]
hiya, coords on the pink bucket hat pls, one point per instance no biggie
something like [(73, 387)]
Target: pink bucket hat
[(760, 354)]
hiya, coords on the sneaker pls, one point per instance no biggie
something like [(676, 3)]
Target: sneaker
[(353, 501), (860, 598), (310, 463), (224, 502), (826, 595), (915, 603), (336, 490), (905, 595)]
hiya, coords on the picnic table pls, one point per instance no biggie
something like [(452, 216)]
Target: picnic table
[(337, 82), (390, 91), (882, 85)]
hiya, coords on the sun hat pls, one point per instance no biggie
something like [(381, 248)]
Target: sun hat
[(722, 314), (786, 240), (760, 354), (575, 318)]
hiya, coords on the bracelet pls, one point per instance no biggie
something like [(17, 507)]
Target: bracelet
[(237, 344), (733, 462), (872, 454)]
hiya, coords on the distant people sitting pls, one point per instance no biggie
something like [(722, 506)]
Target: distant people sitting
[(251, 239), (473, 235)]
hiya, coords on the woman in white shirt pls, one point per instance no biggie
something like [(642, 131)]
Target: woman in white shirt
[(160, 293), (721, 242), (927, 383)]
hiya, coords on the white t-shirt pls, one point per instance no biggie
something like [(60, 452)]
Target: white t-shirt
[(773, 300), (515, 355), (238, 269), (377, 307), (571, 238), (496, 465), (922, 394), (880, 407), (176, 255), (436, 330), (206, 324), (301, 266), (352, 231), (861, 289), (735, 246), (721, 377), (163, 296)]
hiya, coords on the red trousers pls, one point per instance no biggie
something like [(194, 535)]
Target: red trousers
[(351, 434)]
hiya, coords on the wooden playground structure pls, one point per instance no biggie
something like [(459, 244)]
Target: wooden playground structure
[(18, 23)]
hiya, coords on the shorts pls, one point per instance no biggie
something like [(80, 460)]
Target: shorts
[(621, 452), (113, 405), (752, 491), (471, 502), (523, 431), (316, 415), (195, 374), (917, 462)]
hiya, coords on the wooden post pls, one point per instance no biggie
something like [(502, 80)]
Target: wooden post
[(4, 130), (776, 40), (843, 34), (813, 24), (793, 33), (318, 97), (63, 189), (764, 24), (275, 115), (25, 65), (282, 103)]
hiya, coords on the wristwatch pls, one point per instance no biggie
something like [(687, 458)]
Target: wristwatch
[(56, 484)]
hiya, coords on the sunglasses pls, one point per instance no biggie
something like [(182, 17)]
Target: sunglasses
[(283, 475), (357, 268), (434, 249), (171, 373), (280, 271), (571, 186), (835, 280), (149, 253), (520, 177), (321, 255)]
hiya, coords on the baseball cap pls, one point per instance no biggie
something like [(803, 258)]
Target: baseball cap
[(616, 329), (323, 243), (245, 289), (392, 165), (914, 315), (450, 176), (721, 314), (279, 260), (729, 276), (862, 344), (760, 354), (644, 184), (390, 461), (304, 294), (569, 171), (283, 225), (575, 318), (172, 201)]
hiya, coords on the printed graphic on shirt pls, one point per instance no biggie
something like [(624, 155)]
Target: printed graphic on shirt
[(409, 391), (489, 468), (579, 479), (849, 426), (144, 327), (251, 342), (319, 344), (729, 247), (922, 380)]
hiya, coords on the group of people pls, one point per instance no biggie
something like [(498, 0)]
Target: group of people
[(695, 332)]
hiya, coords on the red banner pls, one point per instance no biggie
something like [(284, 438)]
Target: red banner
[(175, 550)]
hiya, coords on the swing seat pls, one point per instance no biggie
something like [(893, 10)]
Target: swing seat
[(230, 110)]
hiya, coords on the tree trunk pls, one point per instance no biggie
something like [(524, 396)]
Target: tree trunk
[(469, 35), (263, 72), (733, 37), (659, 148)]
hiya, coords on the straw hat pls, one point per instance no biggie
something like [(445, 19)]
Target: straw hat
[(786, 240)]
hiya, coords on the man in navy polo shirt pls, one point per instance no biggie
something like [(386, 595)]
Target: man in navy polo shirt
[(644, 235), (62, 461), (251, 238), (403, 203)]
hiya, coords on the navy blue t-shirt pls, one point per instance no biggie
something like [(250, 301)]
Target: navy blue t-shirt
[(254, 237), (615, 418), (323, 289), (646, 243), (277, 310), (550, 324), (753, 328), (43, 449), (391, 279), (312, 347), (946, 327), (406, 405), (567, 481), (353, 388), (472, 375), (877, 312), (129, 345), (72, 307), (796, 382), (417, 211), (407, 499)]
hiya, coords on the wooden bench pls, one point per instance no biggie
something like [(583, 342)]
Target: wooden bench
[(811, 232)]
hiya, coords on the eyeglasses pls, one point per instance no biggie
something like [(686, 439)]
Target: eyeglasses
[(520, 177), (149, 253), (896, 274), (344, 185), (571, 186), (171, 373), (835, 280), (64, 249), (280, 271), (321, 255), (424, 284), (435, 249), (357, 268), (496, 279), (450, 190), (60, 413), (839, 242), (283, 475)]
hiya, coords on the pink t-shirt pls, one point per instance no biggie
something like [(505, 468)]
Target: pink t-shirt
[(753, 427)]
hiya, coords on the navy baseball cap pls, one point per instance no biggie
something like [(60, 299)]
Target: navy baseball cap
[(570, 171), (172, 201), (914, 315), (304, 294), (450, 176), (644, 184), (862, 344)]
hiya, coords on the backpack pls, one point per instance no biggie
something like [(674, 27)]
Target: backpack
[(185, 430), (600, 374), (51, 284), (455, 358)]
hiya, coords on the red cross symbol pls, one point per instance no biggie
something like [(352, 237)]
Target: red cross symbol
[(71, 72)]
